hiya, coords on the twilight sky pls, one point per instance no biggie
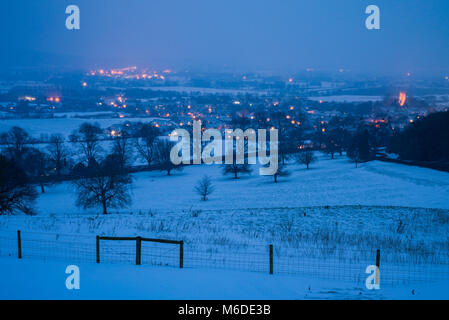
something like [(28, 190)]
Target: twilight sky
[(247, 35)]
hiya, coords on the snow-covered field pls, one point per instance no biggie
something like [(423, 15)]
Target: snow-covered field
[(347, 98), (64, 126), (28, 279), (328, 182), (324, 223)]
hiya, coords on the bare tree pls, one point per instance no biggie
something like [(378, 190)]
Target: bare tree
[(162, 154), (331, 146), (37, 165), (145, 142), (236, 169), (88, 139), (57, 152), (354, 156), (306, 157), (16, 194), (281, 172), (122, 149), (16, 140), (107, 187), (204, 187)]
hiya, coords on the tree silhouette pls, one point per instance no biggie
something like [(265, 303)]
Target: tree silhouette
[(16, 194), (204, 187)]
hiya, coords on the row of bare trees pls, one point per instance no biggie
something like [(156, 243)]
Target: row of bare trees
[(101, 175)]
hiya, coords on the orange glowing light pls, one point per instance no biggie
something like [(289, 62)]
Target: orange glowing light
[(84, 84), (402, 98)]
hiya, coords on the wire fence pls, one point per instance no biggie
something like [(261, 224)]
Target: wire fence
[(312, 261)]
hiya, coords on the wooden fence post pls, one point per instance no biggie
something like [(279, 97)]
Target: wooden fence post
[(98, 249), (181, 254), (19, 245), (138, 251), (271, 259)]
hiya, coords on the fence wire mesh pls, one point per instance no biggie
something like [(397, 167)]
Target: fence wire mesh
[(121, 251), (160, 254), (313, 261)]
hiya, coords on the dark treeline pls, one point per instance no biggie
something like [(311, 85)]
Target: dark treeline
[(426, 139)]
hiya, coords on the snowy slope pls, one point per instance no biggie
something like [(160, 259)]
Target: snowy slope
[(324, 223), (30, 279), (329, 182)]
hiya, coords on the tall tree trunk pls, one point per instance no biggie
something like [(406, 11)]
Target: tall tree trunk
[(105, 210), (42, 188)]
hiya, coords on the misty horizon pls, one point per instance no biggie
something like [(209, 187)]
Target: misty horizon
[(262, 36)]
